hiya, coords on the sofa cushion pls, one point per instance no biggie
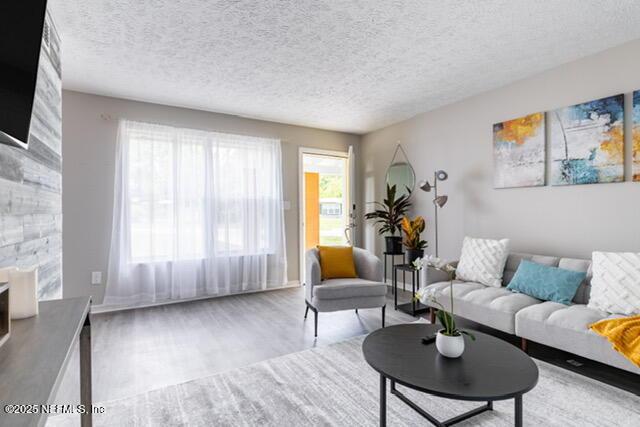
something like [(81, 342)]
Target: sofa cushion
[(514, 259), (483, 260), (336, 262), (494, 307), (567, 328), (442, 292), (348, 288), (546, 283), (616, 282), (584, 265)]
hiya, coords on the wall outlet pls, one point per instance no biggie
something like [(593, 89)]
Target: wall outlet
[(96, 277)]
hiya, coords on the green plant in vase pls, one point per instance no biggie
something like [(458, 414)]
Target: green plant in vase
[(450, 340), (388, 216)]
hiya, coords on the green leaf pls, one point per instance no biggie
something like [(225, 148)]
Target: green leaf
[(442, 319), (391, 211), (469, 334), (447, 321)]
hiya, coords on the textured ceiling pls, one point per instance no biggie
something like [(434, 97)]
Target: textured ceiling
[(344, 64)]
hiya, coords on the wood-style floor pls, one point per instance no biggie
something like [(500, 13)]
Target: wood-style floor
[(139, 350), (135, 351)]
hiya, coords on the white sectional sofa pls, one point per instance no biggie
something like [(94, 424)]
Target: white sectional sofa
[(545, 322)]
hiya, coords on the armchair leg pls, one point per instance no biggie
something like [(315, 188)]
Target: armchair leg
[(523, 344), (432, 315), (356, 311), (315, 322), (383, 311), (315, 317)]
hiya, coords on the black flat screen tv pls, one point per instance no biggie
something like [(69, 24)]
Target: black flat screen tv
[(21, 25)]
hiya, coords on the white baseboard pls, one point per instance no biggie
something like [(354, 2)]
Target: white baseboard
[(100, 308)]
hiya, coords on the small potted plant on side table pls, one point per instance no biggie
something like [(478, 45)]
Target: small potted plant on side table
[(412, 241), (389, 216), (450, 339)]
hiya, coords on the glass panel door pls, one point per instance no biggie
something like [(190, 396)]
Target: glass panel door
[(325, 199)]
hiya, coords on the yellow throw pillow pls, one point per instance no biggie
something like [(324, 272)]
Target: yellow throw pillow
[(336, 262)]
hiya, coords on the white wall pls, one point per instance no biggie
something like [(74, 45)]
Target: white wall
[(89, 151), (570, 221)]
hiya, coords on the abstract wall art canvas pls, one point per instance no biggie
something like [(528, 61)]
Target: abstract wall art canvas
[(636, 136), (587, 142), (519, 152)]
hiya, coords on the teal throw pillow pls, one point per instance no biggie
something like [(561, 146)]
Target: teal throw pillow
[(545, 282)]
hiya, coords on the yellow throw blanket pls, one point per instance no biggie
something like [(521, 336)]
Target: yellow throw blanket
[(624, 334)]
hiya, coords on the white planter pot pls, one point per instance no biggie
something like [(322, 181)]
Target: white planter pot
[(450, 346)]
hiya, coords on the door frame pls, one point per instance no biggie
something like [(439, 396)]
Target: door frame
[(301, 205)]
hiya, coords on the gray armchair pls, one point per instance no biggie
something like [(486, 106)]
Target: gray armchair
[(368, 290)]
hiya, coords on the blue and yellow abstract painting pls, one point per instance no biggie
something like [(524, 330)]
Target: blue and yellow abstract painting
[(518, 152), (636, 136), (587, 142)]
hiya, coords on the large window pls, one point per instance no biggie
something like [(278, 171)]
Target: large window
[(193, 194), (166, 198), (195, 198)]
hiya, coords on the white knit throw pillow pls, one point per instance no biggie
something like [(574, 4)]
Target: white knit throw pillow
[(483, 260), (615, 286)]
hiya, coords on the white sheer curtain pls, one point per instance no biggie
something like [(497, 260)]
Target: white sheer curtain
[(195, 213)]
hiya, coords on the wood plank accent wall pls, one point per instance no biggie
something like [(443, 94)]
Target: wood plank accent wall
[(31, 183)]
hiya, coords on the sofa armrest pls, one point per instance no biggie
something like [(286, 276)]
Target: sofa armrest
[(368, 266), (431, 275)]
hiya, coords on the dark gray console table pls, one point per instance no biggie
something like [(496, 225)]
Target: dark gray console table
[(34, 359)]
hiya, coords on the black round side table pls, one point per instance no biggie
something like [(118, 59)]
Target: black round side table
[(489, 369)]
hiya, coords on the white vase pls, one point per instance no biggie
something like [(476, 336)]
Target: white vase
[(450, 346)]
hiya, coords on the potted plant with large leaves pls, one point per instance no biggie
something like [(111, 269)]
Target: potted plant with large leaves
[(388, 216), (412, 228)]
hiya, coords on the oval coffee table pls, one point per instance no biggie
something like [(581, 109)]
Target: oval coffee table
[(490, 369)]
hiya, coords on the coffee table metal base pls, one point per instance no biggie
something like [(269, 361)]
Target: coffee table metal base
[(486, 407)]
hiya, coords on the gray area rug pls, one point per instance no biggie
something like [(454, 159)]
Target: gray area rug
[(334, 386)]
